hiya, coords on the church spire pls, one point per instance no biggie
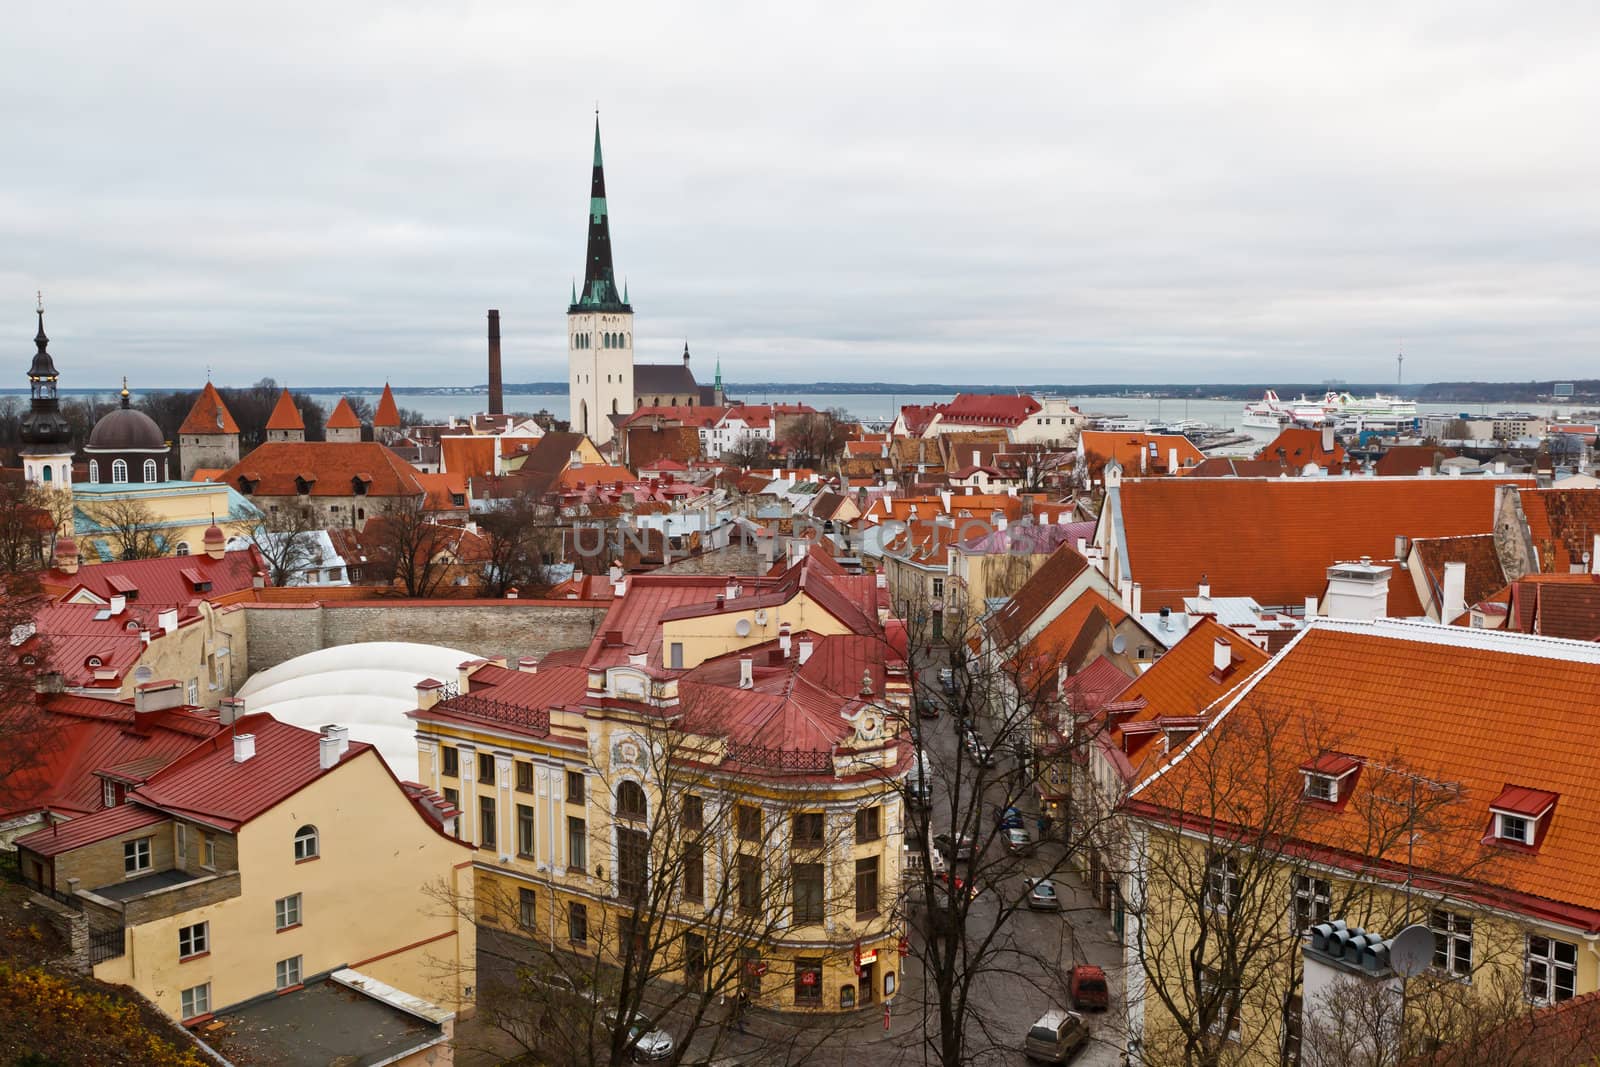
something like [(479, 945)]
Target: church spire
[(44, 425), (599, 276)]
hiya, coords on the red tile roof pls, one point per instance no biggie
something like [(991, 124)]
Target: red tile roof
[(387, 415), (1402, 460), (1064, 641), (1300, 446), (1274, 539), (209, 415), (285, 416), (1431, 700), (343, 417), (160, 582), (207, 784), (1562, 523), (75, 833), (274, 467), (1565, 609), (441, 488), (1484, 575), (1132, 451), (988, 409)]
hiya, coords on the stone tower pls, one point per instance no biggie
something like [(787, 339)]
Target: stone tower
[(342, 426), (285, 423), (46, 434), (208, 437), (599, 327)]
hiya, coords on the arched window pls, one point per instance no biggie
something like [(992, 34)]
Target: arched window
[(583, 416), (614, 410), (150, 471), (94, 471), (119, 472), (306, 844), (47, 473), (630, 801), (182, 549)]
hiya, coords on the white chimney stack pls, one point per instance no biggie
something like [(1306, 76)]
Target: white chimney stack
[(244, 746), (1358, 590), (784, 640), (167, 619), (1138, 599), (1203, 590), (1311, 607), (1455, 591), (1327, 437), (1221, 655), (805, 648), (747, 672), (327, 752), (119, 604), (1172, 460)]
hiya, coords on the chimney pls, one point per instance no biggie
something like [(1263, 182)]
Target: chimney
[(119, 604), (1125, 593), (528, 664), (1402, 545), (1454, 599), (747, 676), (1172, 460), (327, 752), (615, 573), (974, 457), (1358, 590), (1327, 437), (1499, 466), (805, 648), (1083, 545), (230, 710), (1311, 607), (496, 394), (67, 555), (1221, 655), (733, 591), (167, 619), (1594, 553), (1203, 590), (340, 734), (157, 696), (1138, 599), (619, 589), (258, 580), (244, 746), (784, 640)]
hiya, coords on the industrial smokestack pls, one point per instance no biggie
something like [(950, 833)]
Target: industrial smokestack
[(497, 404)]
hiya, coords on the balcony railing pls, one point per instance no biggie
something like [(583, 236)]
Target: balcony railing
[(451, 698), (781, 759)]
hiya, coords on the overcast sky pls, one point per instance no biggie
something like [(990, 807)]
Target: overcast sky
[(333, 193)]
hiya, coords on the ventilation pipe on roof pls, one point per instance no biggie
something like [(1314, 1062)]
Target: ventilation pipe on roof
[(244, 747), (1455, 591), (327, 752), (1221, 655), (119, 604), (230, 710), (805, 648), (747, 672)]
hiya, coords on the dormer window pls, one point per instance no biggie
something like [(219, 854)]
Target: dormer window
[(1329, 778), (1520, 816)]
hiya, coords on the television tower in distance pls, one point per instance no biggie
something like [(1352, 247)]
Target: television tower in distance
[(1399, 368)]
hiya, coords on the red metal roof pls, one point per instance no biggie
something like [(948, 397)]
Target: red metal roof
[(160, 582), (1520, 800), (75, 833), (988, 409)]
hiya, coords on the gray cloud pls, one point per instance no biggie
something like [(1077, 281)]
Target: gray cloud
[(333, 193)]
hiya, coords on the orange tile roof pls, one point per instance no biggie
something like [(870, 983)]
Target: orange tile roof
[(285, 416), (1437, 701), (274, 466), (1058, 642), (1403, 460), (1300, 446), (209, 415), (440, 488), (387, 415), (1133, 449), (1484, 574), (1274, 539), (343, 417)]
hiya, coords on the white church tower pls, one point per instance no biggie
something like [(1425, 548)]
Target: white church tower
[(599, 328)]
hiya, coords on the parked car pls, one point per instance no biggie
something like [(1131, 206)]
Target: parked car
[(1056, 1037), (1042, 895), (947, 680), (1087, 985), (1008, 818), (955, 849), (650, 1043), (928, 709), (1017, 841), (981, 753)]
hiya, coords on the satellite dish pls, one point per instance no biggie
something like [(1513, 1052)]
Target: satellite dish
[(1411, 951), (1119, 644), (742, 627)]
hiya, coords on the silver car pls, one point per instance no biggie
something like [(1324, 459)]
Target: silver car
[(650, 1043), (1017, 840), (1042, 895)]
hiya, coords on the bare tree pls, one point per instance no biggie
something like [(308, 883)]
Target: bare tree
[(27, 526), (286, 539), (130, 525), (817, 439), (750, 450), (410, 545), (522, 540)]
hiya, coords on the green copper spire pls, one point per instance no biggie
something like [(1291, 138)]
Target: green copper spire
[(574, 290), (625, 290), (597, 161), (599, 277), (719, 370)]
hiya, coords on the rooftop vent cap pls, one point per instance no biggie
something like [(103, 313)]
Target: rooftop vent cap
[(244, 747)]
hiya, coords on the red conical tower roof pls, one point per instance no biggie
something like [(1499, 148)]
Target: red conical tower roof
[(343, 417), (209, 415), (388, 414), (285, 416)]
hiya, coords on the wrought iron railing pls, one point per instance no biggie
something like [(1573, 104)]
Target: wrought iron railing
[(780, 759), (107, 944), (54, 894), (534, 719)]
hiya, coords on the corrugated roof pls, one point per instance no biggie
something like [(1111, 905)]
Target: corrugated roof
[(75, 833), (160, 582)]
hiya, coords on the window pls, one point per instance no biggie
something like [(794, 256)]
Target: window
[(196, 1000), (1221, 1002), (577, 923), (633, 861), (574, 787), (108, 794), (630, 800), (452, 762), (808, 981), (750, 972), (524, 777), (694, 813), (286, 911), (136, 855), (867, 887), (807, 893), (486, 822), (694, 873), (675, 655), (525, 830), (1552, 969), (1321, 787), (150, 470), (194, 940), (306, 846), (694, 961), (288, 972), (749, 823), (208, 851), (94, 471), (486, 767), (808, 830), (938, 588), (1452, 943), (119, 471), (453, 797), (1312, 905), (182, 833), (182, 549), (577, 844), (633, 943), (749, 874), (527, 914), (1222, 882), (868, 824), (1514, 828)]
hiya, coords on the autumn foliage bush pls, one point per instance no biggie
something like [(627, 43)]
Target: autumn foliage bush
[(49, 1021)]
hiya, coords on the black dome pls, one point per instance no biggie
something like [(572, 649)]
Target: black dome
[(46, 427), (126, 429)]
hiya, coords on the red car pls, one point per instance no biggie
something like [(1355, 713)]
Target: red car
[(1087, 985)]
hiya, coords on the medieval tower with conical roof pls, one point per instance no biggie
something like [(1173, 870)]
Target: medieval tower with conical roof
[(599, 327)]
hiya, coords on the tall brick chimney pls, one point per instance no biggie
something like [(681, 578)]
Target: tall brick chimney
[(497, 405)]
